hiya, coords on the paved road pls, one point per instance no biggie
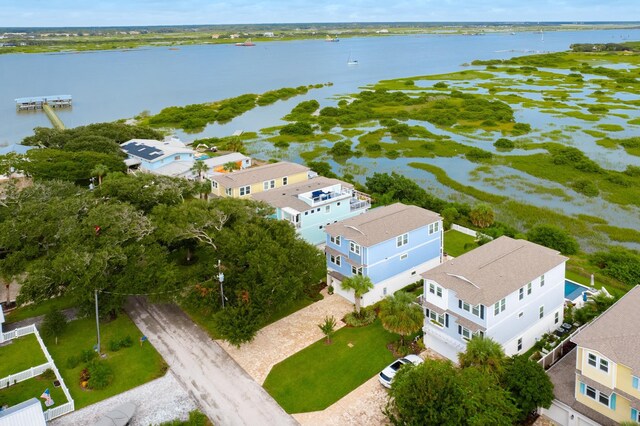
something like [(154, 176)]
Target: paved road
[(225, 392), (70, 313)]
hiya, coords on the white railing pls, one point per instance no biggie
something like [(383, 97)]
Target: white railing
[(357, 205), (61, 410), (12, 379), (556, 354), (35, 371)]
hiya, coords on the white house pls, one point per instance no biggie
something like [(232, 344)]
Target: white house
[(216, 164), (27, 413), (169, 157), (509, 290)]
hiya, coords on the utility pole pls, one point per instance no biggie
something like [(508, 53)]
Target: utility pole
[(221, 279), (97, 320)]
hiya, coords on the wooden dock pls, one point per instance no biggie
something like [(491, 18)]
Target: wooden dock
[(53, 117)]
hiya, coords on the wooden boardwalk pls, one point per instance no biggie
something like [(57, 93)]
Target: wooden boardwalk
[(53, 117)]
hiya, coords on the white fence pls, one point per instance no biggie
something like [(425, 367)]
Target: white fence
[(51, 413), (468, 231), (563, 348), (12, 379)]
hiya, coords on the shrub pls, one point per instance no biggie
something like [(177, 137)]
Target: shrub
[(619, 263), (73, 362), (477, 154), (504, 143), (553, 237), (365, 317), (409, 83), (87, 355), (521, 128), (281, 144), (585, 187), (373, 147), (341, 149), (48, 374), (392, 154), (100, 374), (299, 128), (440, 85)]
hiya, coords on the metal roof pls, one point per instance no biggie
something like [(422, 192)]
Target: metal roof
[(28, 413), (142, 151), (43, 99)]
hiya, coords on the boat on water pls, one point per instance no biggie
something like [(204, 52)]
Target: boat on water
[(247, 43), (330, 39), (352, 61)]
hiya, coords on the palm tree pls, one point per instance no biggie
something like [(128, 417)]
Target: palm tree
[(99, 170), (200, 168), (483, 353), (230, 166), (482, 215), (235, 144), (399, 314), (328, 327), (360, 285)]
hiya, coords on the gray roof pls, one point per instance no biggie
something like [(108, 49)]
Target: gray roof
[(259, 174), (494, 270), (616, 333), (382, 223), (287, 196)]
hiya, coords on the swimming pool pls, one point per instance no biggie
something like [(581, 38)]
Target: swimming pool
[(573, 290)]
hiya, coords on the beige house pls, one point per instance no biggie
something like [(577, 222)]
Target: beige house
[(243, 183)]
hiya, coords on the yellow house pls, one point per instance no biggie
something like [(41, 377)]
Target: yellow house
[(243, 183), (600, 378), (608, 361)]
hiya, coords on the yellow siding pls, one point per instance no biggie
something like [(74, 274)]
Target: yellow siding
[(624, 381), (620, 414), (594, 373), (259, 186)]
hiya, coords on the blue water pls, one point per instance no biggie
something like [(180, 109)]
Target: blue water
[(573, 290)]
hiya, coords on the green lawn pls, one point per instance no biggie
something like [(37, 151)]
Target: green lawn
[(131, 366), (455, 242), (37, 309), (20, 354), (31, 388), (321, 374)]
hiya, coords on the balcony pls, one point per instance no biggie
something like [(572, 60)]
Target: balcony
[(359, 201)]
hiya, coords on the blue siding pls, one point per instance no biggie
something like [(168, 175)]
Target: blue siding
[(312, 224)]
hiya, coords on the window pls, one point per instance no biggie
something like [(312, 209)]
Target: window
[(465, 332), (177, 157), (528, 288), (245, 190), (466, 307), (229, 192), (356, 270), (434, 227), (402, 240), (635, 382), (541, 312), (354, 248), (403, 256), (476, 310), (596, 395), (434, 289), (269, 184), (499, 306), (437, 318), (542, 281), (336, 260), (592, 360), (519, 344), (285, 181), (521, 294), (214, 184), (335, 240), (604, 365), (521, 314), (635, 415), (338, 203), (384, 291), (327, 209), (556, 318)]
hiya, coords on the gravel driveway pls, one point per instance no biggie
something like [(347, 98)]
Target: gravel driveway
[(158, 401)]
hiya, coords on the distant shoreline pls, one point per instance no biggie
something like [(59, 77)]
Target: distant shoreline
[(74, 40)]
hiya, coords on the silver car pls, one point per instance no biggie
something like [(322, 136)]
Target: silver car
[(386, 376)]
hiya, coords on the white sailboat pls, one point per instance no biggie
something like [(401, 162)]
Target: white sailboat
[(351, 61)]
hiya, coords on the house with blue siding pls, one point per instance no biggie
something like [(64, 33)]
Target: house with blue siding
[(392, 245), (169, 157), (312, 205), (509, 290)]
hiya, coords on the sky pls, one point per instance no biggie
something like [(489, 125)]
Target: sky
[(60, 13)]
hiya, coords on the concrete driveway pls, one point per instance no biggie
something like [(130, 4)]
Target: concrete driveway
[(224, 391)]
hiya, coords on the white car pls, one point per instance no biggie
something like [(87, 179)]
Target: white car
[(386, 376)]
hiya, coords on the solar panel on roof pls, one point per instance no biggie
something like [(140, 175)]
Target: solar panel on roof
[(142, 151)]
